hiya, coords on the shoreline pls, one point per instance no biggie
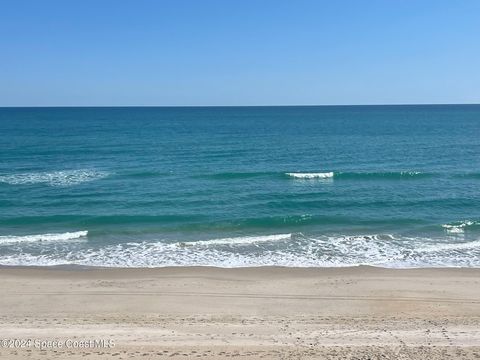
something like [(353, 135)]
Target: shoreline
[(79, 267), (268, 312)]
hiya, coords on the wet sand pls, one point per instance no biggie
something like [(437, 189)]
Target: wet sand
[(249, 313)]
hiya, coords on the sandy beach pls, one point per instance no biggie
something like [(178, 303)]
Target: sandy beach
[(270, 313)]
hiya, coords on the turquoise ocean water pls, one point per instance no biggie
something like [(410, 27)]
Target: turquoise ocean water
[(395, 186)]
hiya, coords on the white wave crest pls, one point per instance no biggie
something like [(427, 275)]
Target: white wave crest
[(459, 227), (43, 237), (322, 175), (54, 178), (239, 240)]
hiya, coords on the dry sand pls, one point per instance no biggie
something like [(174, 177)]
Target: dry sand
[(253, 313)]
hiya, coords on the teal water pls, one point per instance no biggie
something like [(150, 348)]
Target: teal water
[(395, 186)]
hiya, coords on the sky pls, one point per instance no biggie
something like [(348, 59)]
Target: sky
[(238, 52)]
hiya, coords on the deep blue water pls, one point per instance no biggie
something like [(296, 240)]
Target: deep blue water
[(298, 186)]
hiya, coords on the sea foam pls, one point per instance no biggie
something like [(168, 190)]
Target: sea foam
[(298, 250), (451, 246), (54, 178)]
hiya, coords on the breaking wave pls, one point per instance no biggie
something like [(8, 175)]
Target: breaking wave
[(350, 175), (321, 175), (459, 227), (43, 237), (389, 175), (246, 240)]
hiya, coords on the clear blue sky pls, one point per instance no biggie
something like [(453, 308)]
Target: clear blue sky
[(238, 52)]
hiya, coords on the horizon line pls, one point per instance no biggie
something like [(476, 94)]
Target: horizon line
[(229, 106)]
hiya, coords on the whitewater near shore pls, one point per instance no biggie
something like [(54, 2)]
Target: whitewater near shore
[(215, 313), (459, 248)]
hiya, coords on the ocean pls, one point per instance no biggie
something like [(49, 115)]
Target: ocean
[(392, 186)]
